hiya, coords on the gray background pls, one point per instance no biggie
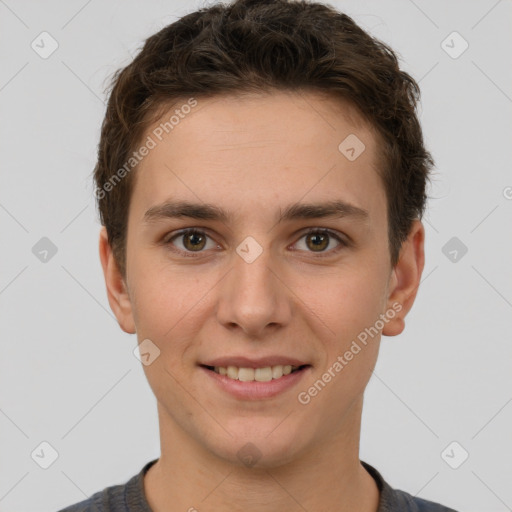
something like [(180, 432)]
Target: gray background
[(67, 372)]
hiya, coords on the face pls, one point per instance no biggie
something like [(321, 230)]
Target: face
[(254, 241)]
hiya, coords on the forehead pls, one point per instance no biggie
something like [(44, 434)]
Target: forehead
[(259, 149)]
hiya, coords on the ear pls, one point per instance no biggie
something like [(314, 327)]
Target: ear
[(118, 297), (405, 279)]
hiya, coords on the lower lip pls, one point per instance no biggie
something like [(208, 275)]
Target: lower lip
[(255, 390)]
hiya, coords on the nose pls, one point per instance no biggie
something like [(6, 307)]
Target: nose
[(253, 297)]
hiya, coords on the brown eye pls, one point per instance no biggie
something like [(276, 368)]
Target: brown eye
[(194, 241), (320, 241), (317, 241), (191, 241)]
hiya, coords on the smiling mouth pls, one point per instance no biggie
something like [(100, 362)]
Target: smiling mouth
[(264, 374)]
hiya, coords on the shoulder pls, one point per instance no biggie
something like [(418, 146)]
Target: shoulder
[(125, 497), (394, 500), (413, 504), (110, 499)]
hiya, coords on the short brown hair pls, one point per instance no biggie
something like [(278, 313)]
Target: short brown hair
[(261, 45)]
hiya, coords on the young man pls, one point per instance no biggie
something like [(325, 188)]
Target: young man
[(261, 180)]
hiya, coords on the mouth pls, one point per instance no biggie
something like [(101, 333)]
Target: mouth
[(256, 374)]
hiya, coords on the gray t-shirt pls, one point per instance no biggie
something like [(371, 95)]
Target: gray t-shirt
[(130, 497)]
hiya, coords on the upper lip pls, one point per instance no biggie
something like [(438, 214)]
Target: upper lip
[(260, 362)]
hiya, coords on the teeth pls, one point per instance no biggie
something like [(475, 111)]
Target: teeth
[(246, 374), (232, 372), (277, 371), (265, 374)]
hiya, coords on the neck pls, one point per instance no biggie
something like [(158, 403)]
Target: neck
[(328, 476)]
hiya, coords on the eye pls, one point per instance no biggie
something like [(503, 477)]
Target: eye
[(192, 240), (317, 240)]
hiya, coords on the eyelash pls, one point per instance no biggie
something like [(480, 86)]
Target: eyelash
[(324, 231)]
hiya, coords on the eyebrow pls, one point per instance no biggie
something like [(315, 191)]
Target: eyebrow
[(206, 211)]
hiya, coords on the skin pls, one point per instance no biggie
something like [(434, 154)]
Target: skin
[(253, 155)]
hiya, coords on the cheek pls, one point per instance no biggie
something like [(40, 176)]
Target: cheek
[(168, 306), (346, 302), (351, 310)]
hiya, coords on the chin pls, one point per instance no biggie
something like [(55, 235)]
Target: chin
[(264, 450)]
